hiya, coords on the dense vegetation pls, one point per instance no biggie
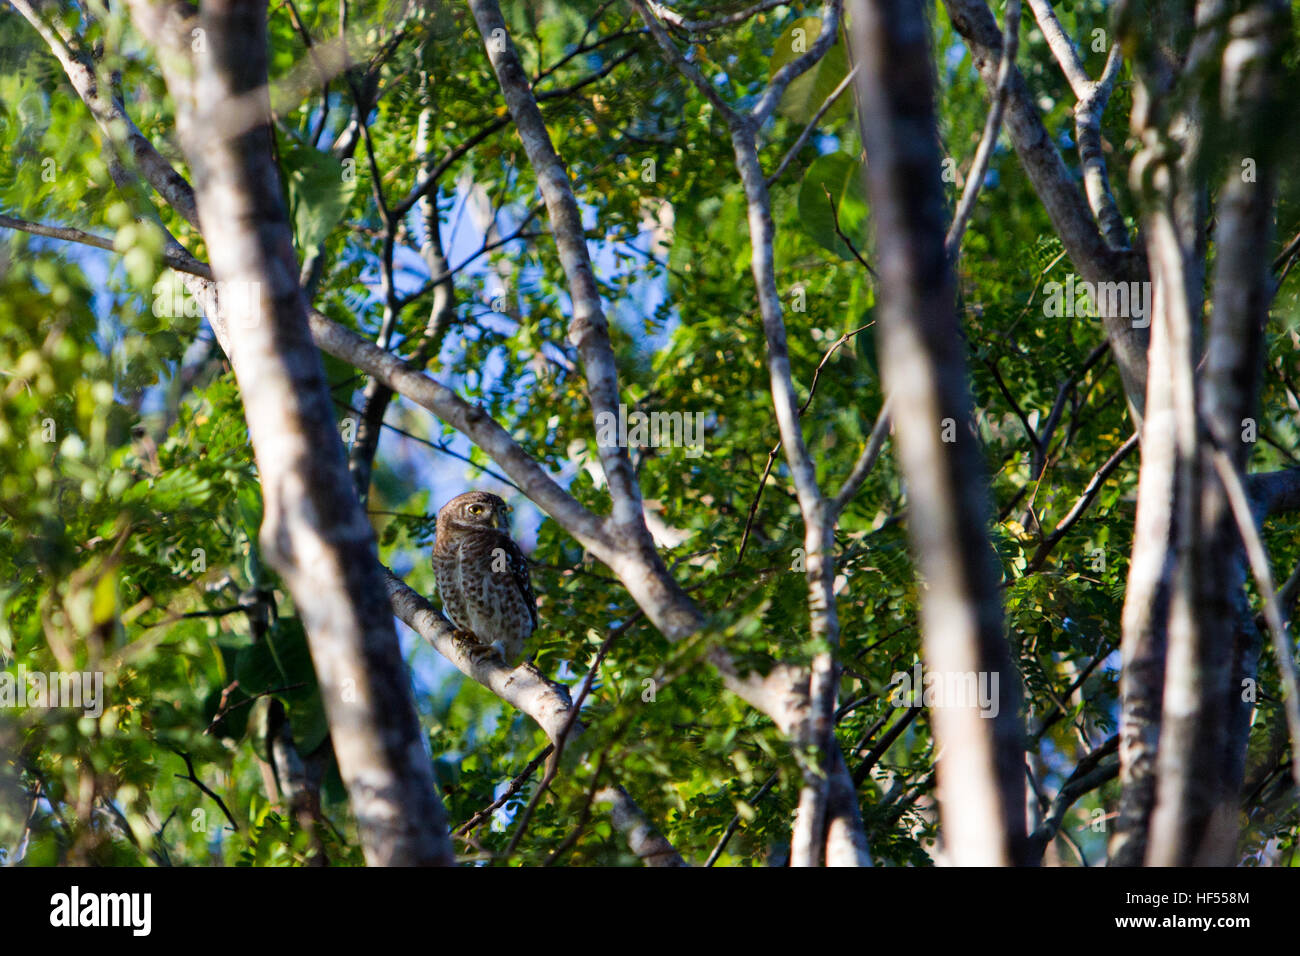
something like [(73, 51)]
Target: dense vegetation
[(130, 500)]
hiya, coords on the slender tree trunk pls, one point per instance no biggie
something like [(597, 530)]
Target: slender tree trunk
[(981, 782), (314, 532)]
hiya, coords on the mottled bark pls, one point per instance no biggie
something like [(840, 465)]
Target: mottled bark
[(815, 733), (1198, 823), (1066, 204), (588, 327), (981, 777), (314, 532), (1183, 731), (548, 703)]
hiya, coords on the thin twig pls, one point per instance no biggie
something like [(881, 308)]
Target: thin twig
[(553, 765), (1258, 557), (1081, 505), (177, 259), (1087, 776), (776, 449), (812, 125), (992, 126), (734, 825), (194, 779), (882, 746), (514, 787)]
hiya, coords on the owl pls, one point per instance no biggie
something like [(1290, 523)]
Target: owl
[(483, 576)]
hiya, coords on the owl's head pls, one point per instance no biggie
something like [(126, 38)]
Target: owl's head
[(474, 510)]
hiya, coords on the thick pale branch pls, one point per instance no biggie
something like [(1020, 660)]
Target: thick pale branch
[(650, 846), (1062, 47), (1065, 203), (546, 702), (992, 126), (1092, 98), (589, 328), (1087, 131), (815, 731), (523, 688), (111, 116), (314, 532), (981, 777)]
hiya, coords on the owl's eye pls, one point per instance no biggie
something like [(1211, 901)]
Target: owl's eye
[(476, 509)]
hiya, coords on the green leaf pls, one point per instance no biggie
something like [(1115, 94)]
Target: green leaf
[(319, 192), (833, 186), (281, 659), (807, 92), (864, 344), (235, 723), (307, 718)]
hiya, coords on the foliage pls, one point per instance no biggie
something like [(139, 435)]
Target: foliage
[(128, 539)]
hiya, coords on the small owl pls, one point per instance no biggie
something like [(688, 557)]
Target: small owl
[(483, 576)]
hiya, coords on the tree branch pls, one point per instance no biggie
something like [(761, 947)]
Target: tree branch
[(992, 126), (1066, 205), (527, 690), (1086, 777), (588, 329), (314, 531), (981, 778), (111, 115)]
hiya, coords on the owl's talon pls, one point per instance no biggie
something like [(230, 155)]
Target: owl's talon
[(465, 638), (468, 642), (481, 652)]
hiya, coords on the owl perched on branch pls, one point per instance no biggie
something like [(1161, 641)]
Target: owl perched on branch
[(483, 576)]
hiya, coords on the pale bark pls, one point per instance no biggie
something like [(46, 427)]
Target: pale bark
[(981, 778), (588, 327), (1206, 720), (816, 732), (548, 703), (109, 112), (1214, 640), (642, 838), (992, 127), (314, 532), (1066, 205), (1184, 726), (1158, 597)]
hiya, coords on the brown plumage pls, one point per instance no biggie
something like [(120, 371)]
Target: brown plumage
[(483, 576)]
